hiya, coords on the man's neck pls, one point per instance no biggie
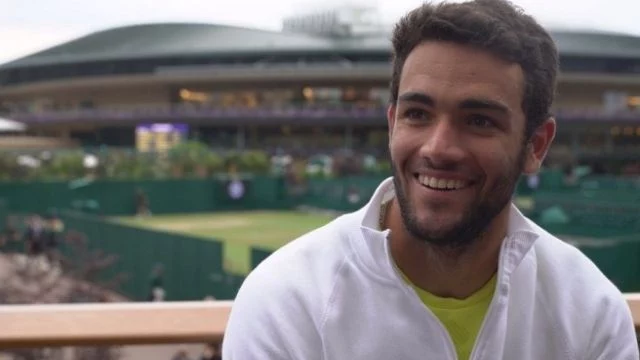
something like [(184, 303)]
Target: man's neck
[(445, 273)]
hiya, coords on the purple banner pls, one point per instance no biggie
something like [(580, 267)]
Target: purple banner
[(163, 128)]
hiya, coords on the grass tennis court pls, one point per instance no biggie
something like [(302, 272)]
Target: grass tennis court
[(239, 230)]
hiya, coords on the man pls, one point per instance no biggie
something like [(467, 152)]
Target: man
[(439, 264)]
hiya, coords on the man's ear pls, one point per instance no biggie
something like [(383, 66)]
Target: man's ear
[(391, 118), (539, 145)]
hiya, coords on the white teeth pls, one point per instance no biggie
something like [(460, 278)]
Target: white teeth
[(443, 184)]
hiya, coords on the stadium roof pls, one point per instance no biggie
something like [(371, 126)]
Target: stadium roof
[(189, 39)]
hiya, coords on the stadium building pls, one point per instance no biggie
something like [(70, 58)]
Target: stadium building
[(320, 83)]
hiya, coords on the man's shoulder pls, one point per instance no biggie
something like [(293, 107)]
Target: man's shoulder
[(307, 264), (279, 307), (570, 282), (564, 262), (585, 305)]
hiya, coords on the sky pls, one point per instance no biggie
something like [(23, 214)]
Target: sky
[(27, 26)]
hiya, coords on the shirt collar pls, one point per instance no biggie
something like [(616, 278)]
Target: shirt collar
[(384, 192)]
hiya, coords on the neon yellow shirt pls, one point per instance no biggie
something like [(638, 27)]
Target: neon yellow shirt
[(461, 318)]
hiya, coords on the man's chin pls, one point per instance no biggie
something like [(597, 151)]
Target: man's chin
[(445, 232), (430, 228), (440, 221), (442, 237)]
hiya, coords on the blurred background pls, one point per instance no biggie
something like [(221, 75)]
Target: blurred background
[(158, 151)]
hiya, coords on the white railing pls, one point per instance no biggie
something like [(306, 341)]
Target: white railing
[(30, 326)]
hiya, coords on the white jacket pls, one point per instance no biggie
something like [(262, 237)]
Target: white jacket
[(333, 294)]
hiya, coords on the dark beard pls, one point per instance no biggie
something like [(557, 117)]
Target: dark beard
[(473, 224)]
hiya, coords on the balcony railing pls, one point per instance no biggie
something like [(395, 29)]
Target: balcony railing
[(172, 113), (129, 324), (299, 113), (112, 324)]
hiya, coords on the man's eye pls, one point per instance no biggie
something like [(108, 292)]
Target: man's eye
[(416, 114), (481, 121)]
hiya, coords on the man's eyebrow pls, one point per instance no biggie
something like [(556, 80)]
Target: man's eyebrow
[(484, 104), (417, 97), (467, 104)]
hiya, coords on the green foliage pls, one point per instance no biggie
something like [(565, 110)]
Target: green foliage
[(194, 159), (65, 165), (187, 160), (130, 165), (191, 159), (256, 162), (9, 168)]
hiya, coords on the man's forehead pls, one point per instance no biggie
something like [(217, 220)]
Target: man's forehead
[(452, 71), (451, 61)]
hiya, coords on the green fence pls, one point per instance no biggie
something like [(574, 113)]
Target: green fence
[(606, 214), (117, 197), (187, 196), (344, 194), (165, 196), (617, 259), (257, 256), (4, 212), (192, 266), (604, 225)]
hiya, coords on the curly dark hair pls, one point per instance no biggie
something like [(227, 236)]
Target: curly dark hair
[(496, 26)]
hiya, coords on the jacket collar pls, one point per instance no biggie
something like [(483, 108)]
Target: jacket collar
[(373, 246)]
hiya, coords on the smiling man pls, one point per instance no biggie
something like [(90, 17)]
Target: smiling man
[(440, 264)]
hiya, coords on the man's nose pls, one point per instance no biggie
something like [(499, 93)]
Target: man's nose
[(443, 143)]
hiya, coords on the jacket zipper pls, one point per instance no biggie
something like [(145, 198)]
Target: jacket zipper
[(450, 345), (443, 331), (496, 297), (486, 320)]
